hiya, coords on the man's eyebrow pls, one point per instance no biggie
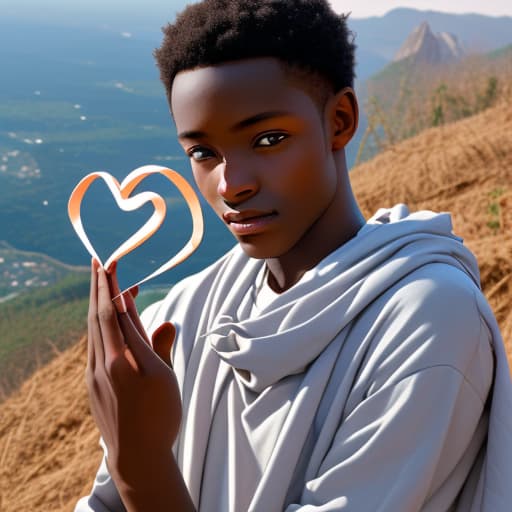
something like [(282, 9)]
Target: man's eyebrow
[(197, 134), (258, 118), (192, 134)]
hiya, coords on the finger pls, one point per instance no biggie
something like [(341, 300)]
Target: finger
[(94, 342), (124, 302), (114, 288), (138, 346), (92, 293), (162, 341), (134, 315), (112, 336)]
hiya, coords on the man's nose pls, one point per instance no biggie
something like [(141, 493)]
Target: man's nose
[(236, 181)]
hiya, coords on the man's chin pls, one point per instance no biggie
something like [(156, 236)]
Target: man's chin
[(258, 250)]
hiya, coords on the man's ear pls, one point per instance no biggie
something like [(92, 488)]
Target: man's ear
[(343, 112)]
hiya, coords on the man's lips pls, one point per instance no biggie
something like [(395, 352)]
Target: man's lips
[(249, 221), (246, 216)]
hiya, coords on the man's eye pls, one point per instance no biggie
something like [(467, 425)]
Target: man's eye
[(199, 153), (271, 139)]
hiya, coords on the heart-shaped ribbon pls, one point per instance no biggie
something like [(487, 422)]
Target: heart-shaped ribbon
[(121, 193)]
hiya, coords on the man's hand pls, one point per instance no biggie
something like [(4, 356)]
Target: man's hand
[(133, 392)]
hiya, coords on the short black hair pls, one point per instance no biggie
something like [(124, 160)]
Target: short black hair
[(305, 35)]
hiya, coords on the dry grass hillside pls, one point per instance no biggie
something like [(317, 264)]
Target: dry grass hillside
[(464, 168), (48, 443), (409, 96)]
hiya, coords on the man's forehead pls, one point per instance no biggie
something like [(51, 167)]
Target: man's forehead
[(263, 83), (247, 73), (238, 90)]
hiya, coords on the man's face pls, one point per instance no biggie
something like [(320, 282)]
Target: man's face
[(258, 151)]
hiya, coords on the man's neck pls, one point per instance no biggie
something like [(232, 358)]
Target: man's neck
[(342, 224)]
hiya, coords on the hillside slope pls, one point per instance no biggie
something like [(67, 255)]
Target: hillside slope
[(40, 319), (464, 168), (48, 444)]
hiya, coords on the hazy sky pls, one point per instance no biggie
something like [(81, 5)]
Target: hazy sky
[(118, 11), (364, 9), (359, 8)]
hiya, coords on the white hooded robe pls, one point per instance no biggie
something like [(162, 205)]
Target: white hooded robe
[(378, 382)]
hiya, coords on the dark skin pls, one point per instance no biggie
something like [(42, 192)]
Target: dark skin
[(271, 163), (134, 399), (260, 144)]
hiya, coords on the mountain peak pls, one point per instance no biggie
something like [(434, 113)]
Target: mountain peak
[(425, 46)]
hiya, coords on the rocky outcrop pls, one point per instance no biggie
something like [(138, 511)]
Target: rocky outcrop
[(423, 45)]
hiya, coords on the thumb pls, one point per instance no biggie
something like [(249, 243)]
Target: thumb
[(162, 341)]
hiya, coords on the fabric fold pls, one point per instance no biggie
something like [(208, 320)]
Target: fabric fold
[(306, 318)]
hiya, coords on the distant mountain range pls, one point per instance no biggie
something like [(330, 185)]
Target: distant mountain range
[(380, 38), (424, 46)]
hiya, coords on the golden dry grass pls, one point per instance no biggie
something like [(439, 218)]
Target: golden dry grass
[(464, 168), (48, 443)]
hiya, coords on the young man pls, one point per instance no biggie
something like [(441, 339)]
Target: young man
[(325, 363)]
